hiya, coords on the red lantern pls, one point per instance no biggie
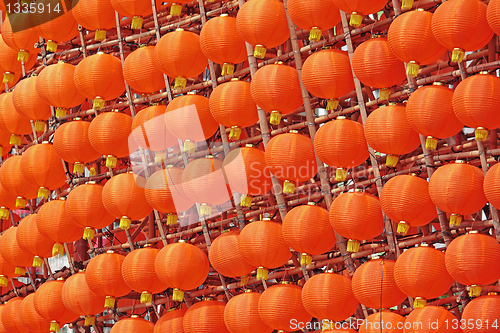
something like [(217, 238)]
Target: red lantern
[(431, 314), (491, 184), (205, 317), (13, 253), (359, 8), (7, 202), (392, 322), (141, 71), (6, 271), (11, 318), (32, 241), (10, 66), (30, 318), (481, 312), (242, 314), (315, 16), (95, 15), (136, 9), (12, 121), (14, 182), (19, 35), (492, 16), (28, 103), (171, 322), (133, 324)]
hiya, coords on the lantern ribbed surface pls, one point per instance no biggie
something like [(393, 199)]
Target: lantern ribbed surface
[(94, 14), (431, 314), (31, 240), (49, 304), (141, 71), (421, 272), (54, 221), (482, 310), (11, 318), (280, 304), (13, 180), (329, 296), (373, 323), (57, 26), (310, 14), (30, 318), (491, 185), (12, 252), (28, 102), (138, 271), (241, 314), (2, 328), (7, 199), (9, 62), (374, 286), (5, 142), (133, 325), (130, 8), (492, 16), (18, 33), (226, 258), (363, 7), (109, 133), (205, 317), (104, 275), (11, 120), (79, 298), (171, 322), (72, 144), (149, 130), (41, 166), (6, 269)]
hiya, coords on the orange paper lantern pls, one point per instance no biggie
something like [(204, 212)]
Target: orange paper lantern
[(492, 16), (10, 66), (431, 314), (11, 319), (30, 318), (95, 15), (242, 314), (141, 71), (205, 317), (28, 103), (481, 311), (19, 35), (32, 241), (14, 182), (7, 202), (171, 322), (13, 253), (359, 8), (393, 323), (491, 184), (315, 16), (11, 120), (136, 9), (133, 324)]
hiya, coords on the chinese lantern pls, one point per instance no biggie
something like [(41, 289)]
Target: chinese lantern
[(359, 8), (457, 188), (242, 314), (474, 103), (327, 74), (5, 146), (481, 311), (108, 134), (99, 77), (341, 143), (136, 9), (188, 118), (123, 196), (164, 192), (179, 56), (181, 266), (276, 89), (55, 24), (411, 40), (260, 29), (329, 296), (141, 71), (49, 304), (31, 240), (12, 121), (11, 318), (2, 328), (7, 202), (11, 68), (356, 216), (28, 103), (431, 319), (30, 318), (231, 105), (221, 43), (388, 131), (430, 112), (171, 322), (461, 26), (56, 86), (13, 253), (420, 272), (104, 277), (95, 15), (492, 16), (315, 16), (491, 184), (54, 222), (203, 182), (205, 317), (280, 305), (383, 321), (472, 260), (19, 35), (307, 230), (86, 209), (376, 66), (41, 166), (406, 200), (290, 157), (133, 324), (246, 173), (226, 259), (13, 181), (138, 271), (80, 299), (6, 271), (262, 245), (374, 286)]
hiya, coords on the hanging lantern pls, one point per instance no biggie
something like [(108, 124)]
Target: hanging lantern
[(12, 121), (393, 322), (226, 259), (95, 15), (28, 103), (491, 184), (457, 188), (356, 216), (10, 67), (492, 16), (341, 143), (430, 112), (431, 314), (472, 260), (5, 146), (14, 182), (171, 322), (221, 43), (290, 157), (388, 131), (99, 77), (138, 271), (56, 86), (327, 74), (179, 56), (359, 8), (260, 29), (6, 271), (276, 89), (374, 286), (30, 318), (315, 16), (329, 296), (420, 272), (104, 277), (11, 318), (205, 317), (136, 9), (188, 118), (246, 173), (461, 26), (280, 305), (164, 192), (13, 253), (32, 241), (307, 230), (482, 310), (262, 245), (19, 35), (411, 40), (242, 314), (231, 105), (141, 71), (203, 182), (405, 199), (42, 167), (474, 103), (181, 266), (109, 133), (7, 202), (123, 196), (132, 325), (54, 222), (376, 66)]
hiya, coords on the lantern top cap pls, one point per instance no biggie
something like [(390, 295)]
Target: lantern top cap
[(438, 84), (249, 145), (484, 72), (311, 203), (179, 29), (191, 93), (420, 10), (341, 117), (266, 219), (134, 316), (224, 15), (110, 251), (235, 79), (473, 232), (424, 245), (183, 241), (459, 162), (209, 156), (45, 142), (294, 131)]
